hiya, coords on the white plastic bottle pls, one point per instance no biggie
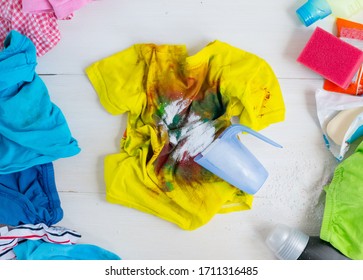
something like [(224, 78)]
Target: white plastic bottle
[(292, 244), (314, 10)]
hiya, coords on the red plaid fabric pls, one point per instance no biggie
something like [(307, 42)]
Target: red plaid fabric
[(41, 28)]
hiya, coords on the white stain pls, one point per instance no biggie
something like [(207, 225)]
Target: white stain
[(191, 139), (194, 138)]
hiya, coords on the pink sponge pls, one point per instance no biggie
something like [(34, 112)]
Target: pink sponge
[(332, 58)]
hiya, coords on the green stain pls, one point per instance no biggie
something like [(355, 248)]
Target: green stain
[(178, 133), (210, 107), (169, 185), (162, 104), (161, 110), (176, 121), (127, 143)]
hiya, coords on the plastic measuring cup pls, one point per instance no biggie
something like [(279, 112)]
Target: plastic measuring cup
[(230, 160)]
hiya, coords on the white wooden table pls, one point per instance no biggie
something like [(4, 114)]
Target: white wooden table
[(292, 193)]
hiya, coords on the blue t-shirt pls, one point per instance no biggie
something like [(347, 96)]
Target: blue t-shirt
[(41, 250), (33, 130)]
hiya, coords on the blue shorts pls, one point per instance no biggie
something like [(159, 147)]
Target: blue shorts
[(30, 197)]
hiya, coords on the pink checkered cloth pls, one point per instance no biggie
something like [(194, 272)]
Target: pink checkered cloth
[(41, 28)]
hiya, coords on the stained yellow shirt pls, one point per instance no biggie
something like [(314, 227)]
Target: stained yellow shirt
[(178, 104)]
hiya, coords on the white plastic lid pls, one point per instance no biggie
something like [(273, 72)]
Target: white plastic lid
[(287, 243)]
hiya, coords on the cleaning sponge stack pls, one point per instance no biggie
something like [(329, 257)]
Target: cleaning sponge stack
[(331, 57)]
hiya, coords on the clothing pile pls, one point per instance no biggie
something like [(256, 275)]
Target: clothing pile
[(33, 133)]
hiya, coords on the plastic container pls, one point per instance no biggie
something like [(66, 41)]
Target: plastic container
[(292, 244), (314, 10), (230, 160)]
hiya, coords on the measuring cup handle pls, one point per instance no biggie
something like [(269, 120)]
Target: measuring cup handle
[(233, 130)]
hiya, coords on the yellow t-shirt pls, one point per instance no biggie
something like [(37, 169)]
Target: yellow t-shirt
[(177, 105)]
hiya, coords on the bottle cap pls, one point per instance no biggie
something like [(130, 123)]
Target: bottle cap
[(312, 11), (287, 243)]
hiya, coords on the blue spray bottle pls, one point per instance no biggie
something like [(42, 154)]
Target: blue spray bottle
[(314, 10)]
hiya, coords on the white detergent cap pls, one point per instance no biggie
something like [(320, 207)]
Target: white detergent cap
[(287, 243)]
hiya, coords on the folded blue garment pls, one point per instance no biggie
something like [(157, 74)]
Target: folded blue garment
[(30, 197), (40, 250), (33, 130)]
